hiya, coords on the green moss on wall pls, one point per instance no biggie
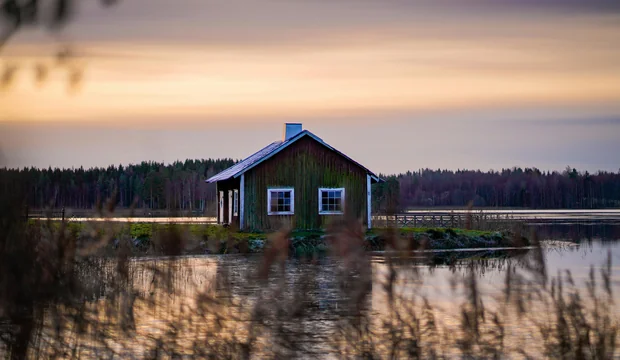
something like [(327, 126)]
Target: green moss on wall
[(305, 166)]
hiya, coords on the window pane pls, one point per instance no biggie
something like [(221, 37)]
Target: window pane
[(274, 201), (331, 200), (281, 201)]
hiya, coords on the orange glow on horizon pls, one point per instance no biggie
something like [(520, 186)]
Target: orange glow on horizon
[(367, 70)]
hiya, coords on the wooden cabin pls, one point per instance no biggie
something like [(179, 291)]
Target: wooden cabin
[(299, 181)]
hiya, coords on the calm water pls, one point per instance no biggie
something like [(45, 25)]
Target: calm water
[(214, 302)]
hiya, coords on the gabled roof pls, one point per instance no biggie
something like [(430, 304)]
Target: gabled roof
[(272, 149)]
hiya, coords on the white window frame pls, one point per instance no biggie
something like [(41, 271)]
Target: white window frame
[(321, 212), (270, 190), (236, 202)]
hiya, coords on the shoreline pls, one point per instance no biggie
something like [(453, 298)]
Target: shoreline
[(148, 238)]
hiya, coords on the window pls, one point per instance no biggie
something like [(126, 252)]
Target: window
[(236, 203), (280, 201), (331, 201)]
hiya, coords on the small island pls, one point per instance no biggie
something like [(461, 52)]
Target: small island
[(145, 238)]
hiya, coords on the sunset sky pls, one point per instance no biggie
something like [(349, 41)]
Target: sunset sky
[(398, 85)]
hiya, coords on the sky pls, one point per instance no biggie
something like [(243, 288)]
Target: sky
[(396, 84)]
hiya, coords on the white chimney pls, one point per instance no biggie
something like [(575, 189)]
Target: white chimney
[(291, 129)]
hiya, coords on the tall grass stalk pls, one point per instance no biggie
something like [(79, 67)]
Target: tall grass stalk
[(68, 294)]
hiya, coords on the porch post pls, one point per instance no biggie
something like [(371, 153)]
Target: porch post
[(368, 201), (230, 206), (241, 202)]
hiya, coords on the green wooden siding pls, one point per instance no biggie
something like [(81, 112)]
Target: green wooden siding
[(305, 166)]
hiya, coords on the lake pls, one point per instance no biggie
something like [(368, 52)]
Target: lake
[(351, 305)]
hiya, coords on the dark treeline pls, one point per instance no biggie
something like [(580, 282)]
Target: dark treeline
[(516, 187), (153, 185), (181, 186)]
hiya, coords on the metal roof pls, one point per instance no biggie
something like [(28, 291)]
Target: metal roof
[(272, 149)]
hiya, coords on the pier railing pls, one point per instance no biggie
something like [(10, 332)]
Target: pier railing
[(493, 220), (470, 220)]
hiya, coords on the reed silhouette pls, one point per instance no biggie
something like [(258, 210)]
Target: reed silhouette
[(85, 294)]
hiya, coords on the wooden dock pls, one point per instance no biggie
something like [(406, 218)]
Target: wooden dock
[(489, 219), (444, 220)]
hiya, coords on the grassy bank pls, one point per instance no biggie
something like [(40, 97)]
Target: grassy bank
[(148, 238)]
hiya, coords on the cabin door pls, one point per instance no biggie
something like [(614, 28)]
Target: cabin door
[(221, 208), (230, 206)]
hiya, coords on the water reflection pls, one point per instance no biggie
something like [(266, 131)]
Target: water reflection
[(579, 233), (425, 304)]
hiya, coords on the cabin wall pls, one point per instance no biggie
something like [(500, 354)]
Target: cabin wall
[(306, 166)]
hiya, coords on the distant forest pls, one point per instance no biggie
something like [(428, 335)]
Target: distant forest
[(148, 185), (181, 186), (516, 187)]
